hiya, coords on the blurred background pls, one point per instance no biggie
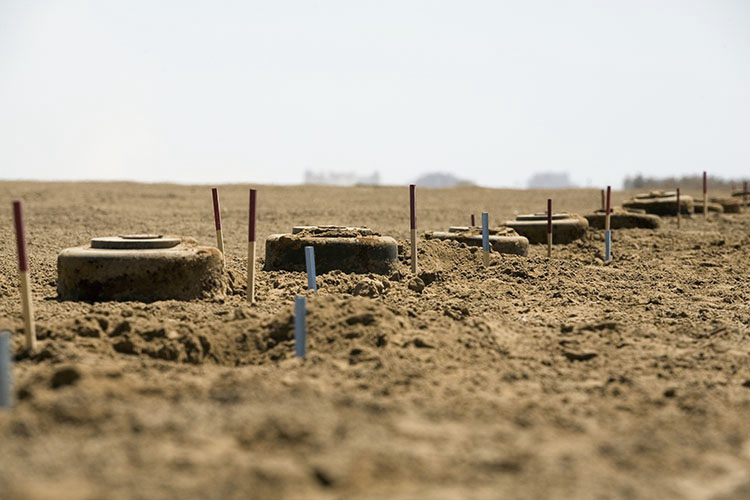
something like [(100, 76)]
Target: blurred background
[(532, 93)]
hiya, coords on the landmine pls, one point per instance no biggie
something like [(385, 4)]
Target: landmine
[(660, 203), (712, 207), (730, 205), (142, 268), (348, 249), (619, 218), (745, 197), (565, 227), (502, 239)]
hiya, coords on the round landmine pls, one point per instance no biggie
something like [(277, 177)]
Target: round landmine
[(730, 205), (492, 230), (347, 249), (742, 194), (660, 203), (331, 230), (502, 239), (565, 227), (623, 219), (712, 207), (140, 268)]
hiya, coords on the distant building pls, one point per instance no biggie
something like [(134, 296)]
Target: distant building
[(550, 180), (341, 178), (441, 180)]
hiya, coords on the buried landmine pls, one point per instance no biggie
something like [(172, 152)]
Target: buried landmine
[(744, 193), (620, 218), (660, 203), (348, 249), (710, 206), (730, 205), (502, 239), (143, 268), (566, 227)]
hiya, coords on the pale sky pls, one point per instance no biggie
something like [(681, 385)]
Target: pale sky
[(260, 91)]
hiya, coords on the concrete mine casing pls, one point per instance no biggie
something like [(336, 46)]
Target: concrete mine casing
[(347, 249), (502, 240), (624, 219), (730, 205), (661, 203), (566, 228), (142, 268)]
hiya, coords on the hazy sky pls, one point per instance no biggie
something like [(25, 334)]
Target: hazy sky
[(259, 91)]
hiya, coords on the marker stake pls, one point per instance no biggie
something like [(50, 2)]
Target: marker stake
[(679, 217), (300, 327), (413, 225), (217, 223), (607, 226), (705, 197), (251, 249), (23, 275), (310, 264), (6, 391), (473, 222), (607, 245), (607, 208), (486, 238), (549, 228), (602, 199)]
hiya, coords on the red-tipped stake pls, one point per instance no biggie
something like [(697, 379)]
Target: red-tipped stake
[(251, 249), (678, 208), (705, 197), (217, 223), (607, 208), (473, 222), (549, 228), (23, 274), (413, 225)]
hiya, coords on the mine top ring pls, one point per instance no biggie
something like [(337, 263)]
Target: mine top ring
[(140, 236), (542, 216), (135, 242)]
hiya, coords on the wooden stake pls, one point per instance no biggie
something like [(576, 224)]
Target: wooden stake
[(705, 197), (486, 239), (473, 222), (413, 225), (217, 223), (602, 199), (549, 228), (607, 226), (23, 275), (607, 208), (679, 217), (251, 249)]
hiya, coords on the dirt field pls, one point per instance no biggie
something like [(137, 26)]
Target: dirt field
[(534, 378)]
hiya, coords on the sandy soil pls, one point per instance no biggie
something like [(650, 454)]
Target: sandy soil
[(534, 378)]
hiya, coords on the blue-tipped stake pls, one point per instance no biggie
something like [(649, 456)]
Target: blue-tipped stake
[(310, 263), (300, 327), (607, 245), (486, 238), (6, 395)]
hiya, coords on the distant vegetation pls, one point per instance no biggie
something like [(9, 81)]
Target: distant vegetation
[(691, 182), (550, 180), (341, 178), (441, 180)]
